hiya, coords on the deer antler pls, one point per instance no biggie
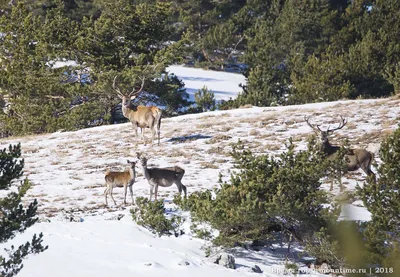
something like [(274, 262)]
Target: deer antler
[(133, 92), (341, 125), (120, 94), (309, 124)]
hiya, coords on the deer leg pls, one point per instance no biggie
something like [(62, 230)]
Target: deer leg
[(155, 192), (372, 176), (181, 187), (105, 194), (369, 172), (135, 126), (184, 190), (153, 134), (111, 189), (125, 191), (144, 141), (151, 191), (131, 190)]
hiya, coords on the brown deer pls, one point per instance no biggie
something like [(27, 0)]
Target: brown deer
[(140, 116), (120, 179), (163, 177), (356, 158)]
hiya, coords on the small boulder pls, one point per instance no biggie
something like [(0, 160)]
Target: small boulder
[(225, 259), (256, 269), (184, 263)]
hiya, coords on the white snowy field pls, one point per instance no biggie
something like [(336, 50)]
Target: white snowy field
[(67, 170), (225, 85)]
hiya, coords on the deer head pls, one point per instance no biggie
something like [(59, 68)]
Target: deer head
[(142, 159), (323, 135), (126, 98)]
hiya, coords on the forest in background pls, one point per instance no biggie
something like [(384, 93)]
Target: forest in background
[(295, 51)]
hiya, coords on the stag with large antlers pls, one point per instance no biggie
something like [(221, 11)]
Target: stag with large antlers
[(140, 116), (356, 158)]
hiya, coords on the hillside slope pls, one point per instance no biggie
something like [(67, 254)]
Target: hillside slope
[(67, 170)]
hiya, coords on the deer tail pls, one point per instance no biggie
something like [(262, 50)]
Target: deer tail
[(107, 172)]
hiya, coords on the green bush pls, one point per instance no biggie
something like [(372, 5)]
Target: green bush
[(291, 267), (14, 218), (151, 216), (205, 99), (201, 231), (382, 199), (269, 196)]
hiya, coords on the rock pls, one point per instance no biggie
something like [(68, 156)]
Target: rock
[(324, 267), (256, 269), (183, 263), (224, 259)]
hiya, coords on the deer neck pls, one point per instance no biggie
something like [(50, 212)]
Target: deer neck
[(128, 110), (132, 172), (146, 172), (328, 148), (125, 110)]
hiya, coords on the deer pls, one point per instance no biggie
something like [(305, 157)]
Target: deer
[(356, 158), (140, 116), (120, 179), (162, 177)]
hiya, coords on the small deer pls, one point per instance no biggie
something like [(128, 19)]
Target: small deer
[(163, 177), (356, 158), (120, 179), (140, 116)]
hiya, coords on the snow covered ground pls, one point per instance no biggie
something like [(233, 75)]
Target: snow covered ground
[(67, 170), (224, 85)]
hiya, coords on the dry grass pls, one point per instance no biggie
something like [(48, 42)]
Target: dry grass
[(272, 147), (61, 198), (351, 125), (251, 120), (387, 124), (254, 132), (371, 137), (93, 186), (218, 150), (247, 106), (218, 138), (205, 125), (225, 129), (208, 165), (178, 153)]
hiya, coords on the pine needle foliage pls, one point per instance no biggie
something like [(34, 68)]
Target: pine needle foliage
[(14, 217)]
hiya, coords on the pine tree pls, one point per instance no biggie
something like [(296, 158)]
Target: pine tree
[(288, 30), (205, 99), (124, 40), (382, 199), (38, 94), (14, 218), (267, 197), (320, 79)]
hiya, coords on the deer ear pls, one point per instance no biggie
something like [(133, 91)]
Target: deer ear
[(133, 97)]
